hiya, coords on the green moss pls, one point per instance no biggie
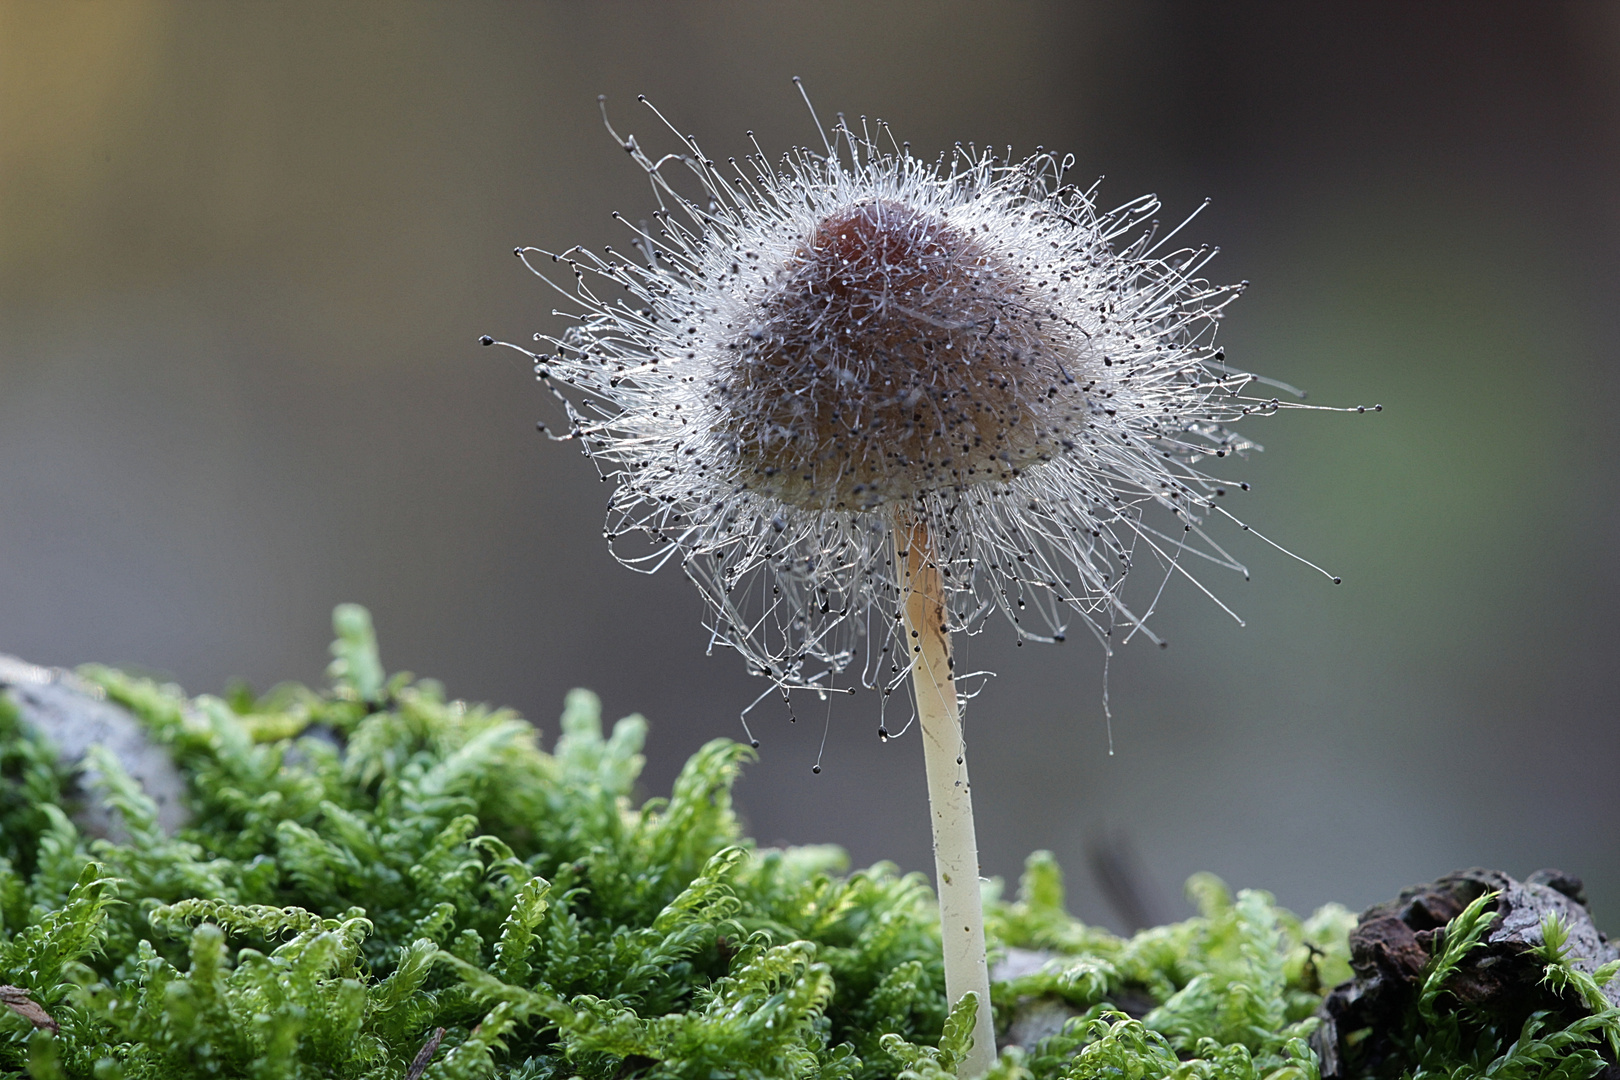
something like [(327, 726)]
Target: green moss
[(372, 863)]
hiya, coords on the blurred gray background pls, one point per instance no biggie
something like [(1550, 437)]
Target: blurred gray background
[(246, 250)]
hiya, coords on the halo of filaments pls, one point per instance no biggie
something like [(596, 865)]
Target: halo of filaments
[(805, 352)]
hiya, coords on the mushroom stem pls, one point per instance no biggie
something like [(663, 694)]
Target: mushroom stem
[(950, 800)]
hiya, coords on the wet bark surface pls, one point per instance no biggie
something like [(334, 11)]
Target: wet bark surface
[(1037, 1017), (75, 715)]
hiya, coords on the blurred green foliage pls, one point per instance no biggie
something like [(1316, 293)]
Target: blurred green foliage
[(372, 864)]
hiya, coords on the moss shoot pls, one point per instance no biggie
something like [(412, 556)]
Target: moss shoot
[(378, 882)]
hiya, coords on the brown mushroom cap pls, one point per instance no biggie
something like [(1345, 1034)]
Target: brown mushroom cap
[(896, 356)]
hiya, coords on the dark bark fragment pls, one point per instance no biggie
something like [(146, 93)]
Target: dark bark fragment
[(1394, 941)]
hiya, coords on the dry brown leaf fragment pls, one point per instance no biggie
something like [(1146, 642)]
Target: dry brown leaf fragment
[(17, 1000), (424, 1056)]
